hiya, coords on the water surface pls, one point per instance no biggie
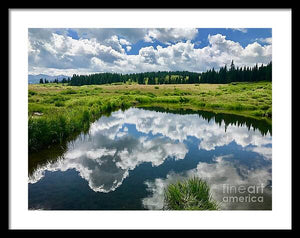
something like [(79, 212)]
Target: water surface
[(128, 158)]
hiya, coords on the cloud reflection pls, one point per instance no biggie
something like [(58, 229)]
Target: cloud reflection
[(104, 158), (113, 147), (221, 172), (180, 127)]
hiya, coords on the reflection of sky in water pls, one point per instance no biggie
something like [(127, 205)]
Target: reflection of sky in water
[(166, 147)]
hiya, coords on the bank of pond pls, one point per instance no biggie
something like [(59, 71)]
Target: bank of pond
[(58, 113)]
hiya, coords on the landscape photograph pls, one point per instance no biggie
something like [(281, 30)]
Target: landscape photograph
[(150, 119)]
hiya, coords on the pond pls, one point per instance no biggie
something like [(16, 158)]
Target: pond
[(126, 160)]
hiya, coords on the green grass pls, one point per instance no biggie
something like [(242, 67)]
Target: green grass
[(70, 109), (191, 194)]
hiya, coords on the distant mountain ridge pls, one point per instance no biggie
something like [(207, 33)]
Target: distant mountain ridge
[(33, 79)]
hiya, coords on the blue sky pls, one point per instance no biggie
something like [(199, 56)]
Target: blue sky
[(130, 50), (243, 36)]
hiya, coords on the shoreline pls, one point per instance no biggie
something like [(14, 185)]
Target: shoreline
[(57, 112)]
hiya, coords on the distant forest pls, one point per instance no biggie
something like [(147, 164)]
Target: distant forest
[(221, 76)]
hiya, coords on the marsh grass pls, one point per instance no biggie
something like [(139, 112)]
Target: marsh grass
[(62, 119), (190, 194)]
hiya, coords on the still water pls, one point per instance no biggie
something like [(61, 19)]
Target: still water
[(127, 159)]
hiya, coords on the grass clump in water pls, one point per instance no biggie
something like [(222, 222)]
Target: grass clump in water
[(191, 194)]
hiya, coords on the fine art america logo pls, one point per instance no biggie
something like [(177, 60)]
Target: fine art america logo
[(243, 193)]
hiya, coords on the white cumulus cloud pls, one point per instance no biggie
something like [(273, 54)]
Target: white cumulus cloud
[(106, 51)]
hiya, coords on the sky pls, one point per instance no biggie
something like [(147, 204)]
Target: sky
[(68, 51)]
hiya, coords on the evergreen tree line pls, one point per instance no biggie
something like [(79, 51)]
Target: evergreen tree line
[(64, 80), (223, 75)]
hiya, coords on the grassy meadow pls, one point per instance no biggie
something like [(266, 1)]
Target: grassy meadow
[(57, 112)]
